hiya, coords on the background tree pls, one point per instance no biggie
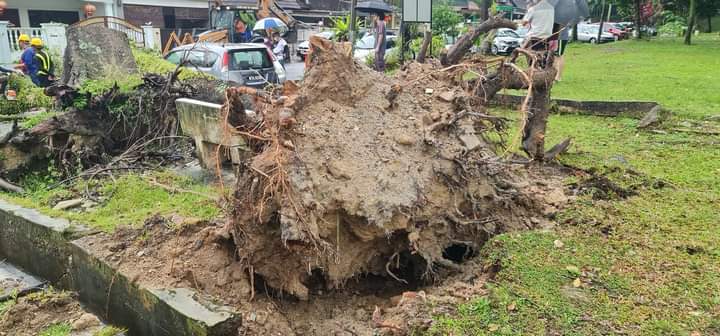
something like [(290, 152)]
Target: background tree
[(708, 9), (445, 19), (692, 16)]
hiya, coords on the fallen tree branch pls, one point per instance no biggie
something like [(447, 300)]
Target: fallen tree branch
[(465, 42), (10, 187)]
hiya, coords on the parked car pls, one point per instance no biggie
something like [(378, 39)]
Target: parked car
[(522, 32), (615, 29), (251, 64), (304, 46), (589, 33), (506, 40), (365, 46)]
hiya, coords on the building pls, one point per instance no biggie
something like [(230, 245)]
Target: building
[(515, 9), (162, 14)]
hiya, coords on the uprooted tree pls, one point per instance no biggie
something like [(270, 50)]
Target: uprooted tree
[(381, 175)]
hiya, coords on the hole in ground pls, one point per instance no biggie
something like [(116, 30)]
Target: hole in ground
[(459, 252)]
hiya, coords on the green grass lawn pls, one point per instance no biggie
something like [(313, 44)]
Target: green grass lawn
[(126, 201), (682, 78), (645, 265)]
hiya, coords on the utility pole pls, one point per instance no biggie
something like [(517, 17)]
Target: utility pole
[(602, 17), (353, 17)]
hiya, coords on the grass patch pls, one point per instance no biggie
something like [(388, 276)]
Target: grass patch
[(109, 331), (662, 70), (60, 329), (647, 265), (129, 200)]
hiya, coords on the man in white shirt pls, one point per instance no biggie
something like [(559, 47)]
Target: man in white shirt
[(539, 19), (279, 45)]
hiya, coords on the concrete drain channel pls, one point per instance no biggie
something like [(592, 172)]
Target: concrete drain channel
[(35, 248)]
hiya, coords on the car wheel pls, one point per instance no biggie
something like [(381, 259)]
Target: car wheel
[(494, 50), (592, 40)]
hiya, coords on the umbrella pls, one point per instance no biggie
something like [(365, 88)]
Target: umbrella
[(569, 12), (374, 6), (272, 23)]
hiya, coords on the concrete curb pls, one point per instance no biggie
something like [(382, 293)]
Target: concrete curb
[(632, 109), (45, 247)]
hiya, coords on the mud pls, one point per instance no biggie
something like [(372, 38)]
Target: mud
[(356, 173), (32, 314)]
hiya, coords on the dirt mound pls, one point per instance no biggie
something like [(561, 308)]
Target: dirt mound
[(357, 173), (33, 314)]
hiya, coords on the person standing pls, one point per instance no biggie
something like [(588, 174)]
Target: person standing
[(380, 38), (44, 67), (539, 19), (279, 45), (241, 33), (563, 40)]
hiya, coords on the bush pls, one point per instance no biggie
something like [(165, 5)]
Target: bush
[(152, 62), (437, 45), (28, 96), (674, 28)]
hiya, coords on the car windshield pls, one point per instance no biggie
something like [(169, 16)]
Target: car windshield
[(249, 59), (508, 33), (367, 42), (199, 58)]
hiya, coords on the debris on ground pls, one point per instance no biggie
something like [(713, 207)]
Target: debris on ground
[(38, 312)]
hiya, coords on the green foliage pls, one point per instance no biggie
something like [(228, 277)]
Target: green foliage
[(437, 45), (342, 27), (28, 96), (392, 60), (445, 19), (60, 329), (36, 119), (152, 62), (673, 28), (109, 331)]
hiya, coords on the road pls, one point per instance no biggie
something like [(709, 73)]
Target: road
[(295, 71)]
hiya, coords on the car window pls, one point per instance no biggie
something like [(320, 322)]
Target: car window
[(250, 59), (198, 58), (508, 33)]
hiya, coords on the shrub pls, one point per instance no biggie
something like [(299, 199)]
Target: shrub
[(437, 45), (28, 96)]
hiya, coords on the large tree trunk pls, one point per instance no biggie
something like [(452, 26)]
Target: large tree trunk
[(691, 22), (638, 5), (465, 42), (709, 19)]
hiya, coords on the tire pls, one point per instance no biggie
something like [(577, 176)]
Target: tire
[(494, 50), (593, 40)]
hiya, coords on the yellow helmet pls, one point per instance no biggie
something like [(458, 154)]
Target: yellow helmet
[(36, 42), (24, 38)]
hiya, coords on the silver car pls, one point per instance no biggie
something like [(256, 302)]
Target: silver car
[(589, 33), (250, 64), (506, 40)]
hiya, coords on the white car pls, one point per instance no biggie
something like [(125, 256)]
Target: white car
[(589, 33), (365, 46), (506, 40), (304, 46)]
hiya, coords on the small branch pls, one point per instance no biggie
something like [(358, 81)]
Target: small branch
[(10, 187)]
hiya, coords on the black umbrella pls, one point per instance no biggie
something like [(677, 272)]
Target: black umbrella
[(374, 6), (570, 12)]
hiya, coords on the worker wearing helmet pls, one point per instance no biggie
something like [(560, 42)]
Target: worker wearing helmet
[(43, 65), (28, 55)]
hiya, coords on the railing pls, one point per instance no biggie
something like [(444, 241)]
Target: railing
[(14, 36), (134, 33)]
